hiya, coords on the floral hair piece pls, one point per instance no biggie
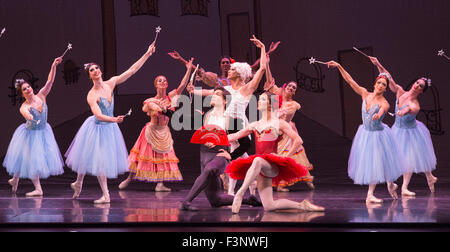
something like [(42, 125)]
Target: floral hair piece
[(19, 82)]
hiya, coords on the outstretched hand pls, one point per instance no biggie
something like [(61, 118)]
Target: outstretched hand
[(332, 64), (151, 49), (175, 55), (374, 60), (257, 42), (273, 46), (57, 61)]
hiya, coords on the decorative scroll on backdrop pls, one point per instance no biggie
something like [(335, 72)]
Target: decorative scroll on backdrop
[(310, 80)]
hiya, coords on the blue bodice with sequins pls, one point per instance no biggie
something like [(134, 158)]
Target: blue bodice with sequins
[(407, 121), (39, 118), (106, 108), (369, 124)]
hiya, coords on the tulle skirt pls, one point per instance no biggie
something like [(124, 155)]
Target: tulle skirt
[(98, 150), (290, 172), (416, 147), (33, 153), (150, 165), (375, 157)]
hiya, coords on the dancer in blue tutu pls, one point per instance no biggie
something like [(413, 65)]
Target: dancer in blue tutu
[(33, 152), (374, 157), (412, 136), (98, 148)]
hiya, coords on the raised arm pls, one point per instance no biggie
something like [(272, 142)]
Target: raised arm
[(92, 101), (296, 139), (200, 92), (184, 81), (176, 56), (357, 88), (270, 81), (393, 86), (117, 80), (51, 78), (251, 86)]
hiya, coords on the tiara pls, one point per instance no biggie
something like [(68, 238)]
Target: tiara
[(385, 75), (428, 81), (18, 82)]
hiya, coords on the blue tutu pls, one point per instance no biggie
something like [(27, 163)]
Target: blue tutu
[(33, 150), (414, 142), (98, 148), (374, 157)]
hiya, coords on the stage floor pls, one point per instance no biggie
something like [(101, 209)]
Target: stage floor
[(140, 208)]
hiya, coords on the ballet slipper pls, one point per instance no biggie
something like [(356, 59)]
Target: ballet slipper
[(431, 184), (407, 193), (77, 190), (392, 188), (162, 188), (236, 204), (103, 200), (124, 183), (282, 189), (35, 193), (373, 200), (14, 184), (306, 205)]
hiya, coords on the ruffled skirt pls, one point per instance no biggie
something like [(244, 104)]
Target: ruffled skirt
[(98, 150), (33, 153)]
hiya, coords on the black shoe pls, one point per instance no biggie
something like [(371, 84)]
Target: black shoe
[(187, 207), (254, 201)]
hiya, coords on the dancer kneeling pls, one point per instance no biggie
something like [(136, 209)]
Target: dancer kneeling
[(266, 166), (213, 162)]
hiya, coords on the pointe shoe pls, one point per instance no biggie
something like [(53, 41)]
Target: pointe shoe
[(77, 190), (393, 191), (408, 193), (282, 189), (14, 183), (431, 184), (306, 205), (124, 184), (35, 193), (162, 188), (373, 200), (103, 200), (236, 204)]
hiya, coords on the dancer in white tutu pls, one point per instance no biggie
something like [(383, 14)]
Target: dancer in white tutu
[(99, 149), (33, 152), (412, 136), (374, 157)]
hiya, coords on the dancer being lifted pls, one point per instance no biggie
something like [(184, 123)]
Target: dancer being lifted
[(287, 112), (412, 136), (266, 166), (374, 156), (33, 152), (98, 148), (153, 158)]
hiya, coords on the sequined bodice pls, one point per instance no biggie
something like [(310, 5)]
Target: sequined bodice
[(407, 121), (106, 108), (266, 142), (369, 124), (39, 118)]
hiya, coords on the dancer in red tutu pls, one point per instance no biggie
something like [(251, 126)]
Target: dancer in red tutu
[(269, 168)]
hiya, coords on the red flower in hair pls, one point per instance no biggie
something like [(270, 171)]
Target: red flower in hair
[(232, 61)]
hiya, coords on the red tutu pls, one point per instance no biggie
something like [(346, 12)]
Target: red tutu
[(290, 171)]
